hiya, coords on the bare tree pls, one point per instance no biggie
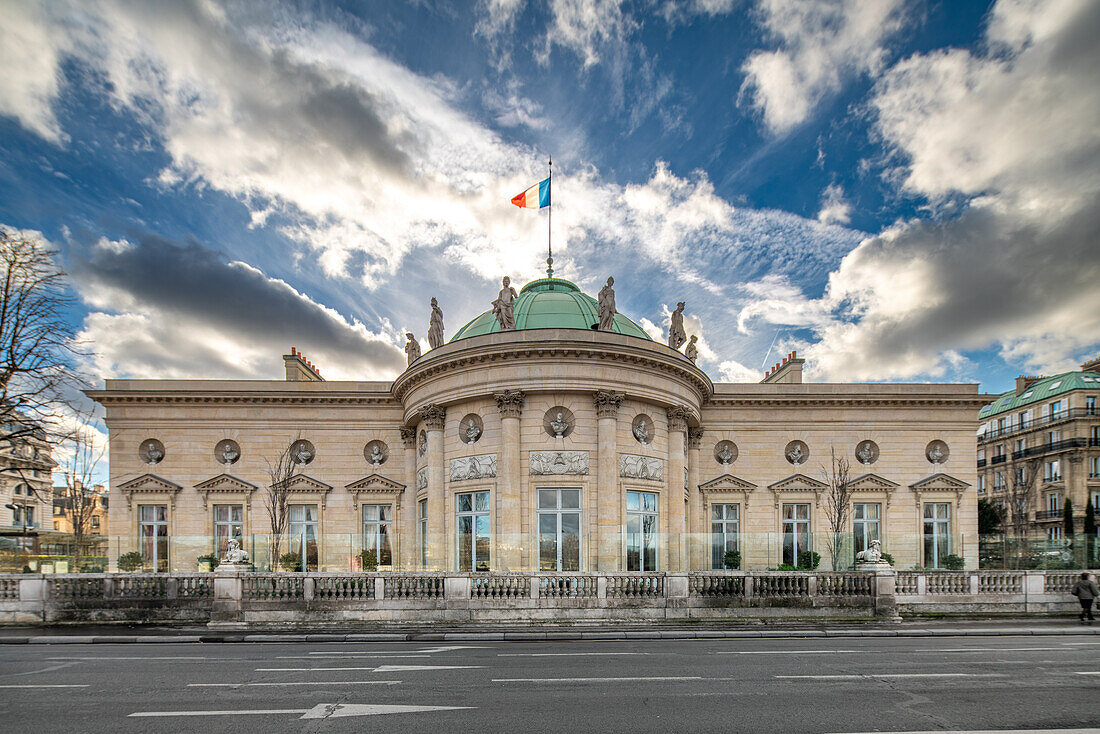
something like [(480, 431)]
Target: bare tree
[(838, 504), (77, 496), (37, 345), (1019, 497), (281, 473)]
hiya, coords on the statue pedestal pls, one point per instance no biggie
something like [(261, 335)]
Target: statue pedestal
[(233, 568), (860, 566)]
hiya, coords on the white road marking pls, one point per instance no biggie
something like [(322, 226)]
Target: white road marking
[(299, 683), (867, 676), (142, 657), (596, 680), (346, 656), (990, 731), (1087, 672), (425, 651), (403, 668), (562, 654), (320, 711), (303, 670), (785, 652), (49, 685)]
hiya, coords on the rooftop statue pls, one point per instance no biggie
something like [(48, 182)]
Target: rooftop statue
[(435, 326), (607, 306), (691, 351), (502, 306), (676, 334), (412, 348)]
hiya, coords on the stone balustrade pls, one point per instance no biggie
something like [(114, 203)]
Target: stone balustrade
[(319, 598)]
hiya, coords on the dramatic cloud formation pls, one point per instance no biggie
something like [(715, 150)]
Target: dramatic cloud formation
[(1015, 130), (167, 310), (821, 44)]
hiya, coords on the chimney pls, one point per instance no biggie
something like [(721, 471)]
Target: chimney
[(1093, 365), (1023, 382), (298, 369), (788, 371)]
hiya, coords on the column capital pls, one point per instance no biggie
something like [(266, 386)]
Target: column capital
[(607, 403), (408, 437), (678, 417), (432, 416), (695, 437), (510, 403)]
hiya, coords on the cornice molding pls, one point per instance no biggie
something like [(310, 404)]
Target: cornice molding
[(149, 484), (727, 483), (375, 484), (224, 484)]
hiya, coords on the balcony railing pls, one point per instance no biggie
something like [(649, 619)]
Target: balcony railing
[(1047, 448), (1020, 427), (1047, 515), (981, 463), (999, 459)]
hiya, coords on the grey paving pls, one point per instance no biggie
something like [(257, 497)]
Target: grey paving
[(794, 684)]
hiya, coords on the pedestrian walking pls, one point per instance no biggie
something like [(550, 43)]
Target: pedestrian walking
[(1086, 592)]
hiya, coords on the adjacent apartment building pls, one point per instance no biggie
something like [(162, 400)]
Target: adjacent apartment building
[(26, 480), (1044, 435)]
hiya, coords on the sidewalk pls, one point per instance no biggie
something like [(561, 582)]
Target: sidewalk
[(120, 634)]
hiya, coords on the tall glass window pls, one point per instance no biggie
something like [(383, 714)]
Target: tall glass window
[(303, 535), (937, 533), (376, 533), (796, 532), (866, 524), (153, 531), (559, 530), (725, 525), (473, 531), (228, 523), (641, 531), (422, 530)]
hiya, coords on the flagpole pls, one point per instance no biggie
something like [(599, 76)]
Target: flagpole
[(549, 219)]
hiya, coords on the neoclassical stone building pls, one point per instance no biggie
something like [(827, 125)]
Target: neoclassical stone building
[(553, 446)]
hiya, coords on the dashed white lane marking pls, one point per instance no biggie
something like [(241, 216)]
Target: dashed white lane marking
[(243, 712), (49, 685), (299, 683), (784, 652), (871, 676), (623, 679), (1087, 672), (562, 654), (379, 669), (143, 657), (320, 711), (348, 656)]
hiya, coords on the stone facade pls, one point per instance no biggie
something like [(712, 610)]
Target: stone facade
[(514, 384)]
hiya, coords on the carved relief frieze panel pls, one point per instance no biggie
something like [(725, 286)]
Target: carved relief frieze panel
[(558, 463), (473, 467), (633, 466)]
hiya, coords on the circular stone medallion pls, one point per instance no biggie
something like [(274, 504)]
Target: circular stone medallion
[(937, 452), (151, 451), (642, 429), (302, 452), (867, 452), (470, 429), (376, 452), (227, 452), (797, 452), (725, 452), (558, 421)]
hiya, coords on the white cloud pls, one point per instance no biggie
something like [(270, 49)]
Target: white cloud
[(835, 209), (29, 55), (592, 29), (821, 44)]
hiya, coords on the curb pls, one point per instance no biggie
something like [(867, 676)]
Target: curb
[(535, 636)]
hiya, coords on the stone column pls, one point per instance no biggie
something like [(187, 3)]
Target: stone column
[(409, 542), (676, 527), (697, 525), (509, 544), (608, 501), (431, 421)]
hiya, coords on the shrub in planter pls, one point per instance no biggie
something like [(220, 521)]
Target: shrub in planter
[(808, 560), (131, 561), (732, 560), (952, 562), (290, 561), (369, 560), (208, 562), (784, 567), (888, 558)]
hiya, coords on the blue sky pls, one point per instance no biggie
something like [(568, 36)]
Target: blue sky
[(900, 191)]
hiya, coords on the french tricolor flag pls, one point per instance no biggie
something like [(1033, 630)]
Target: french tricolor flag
[(535, 197)]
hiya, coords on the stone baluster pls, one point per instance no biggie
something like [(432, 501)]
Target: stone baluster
[(674, 482), (507, 551), (409, 547), (432, 418), (697, 525), (608, 523)]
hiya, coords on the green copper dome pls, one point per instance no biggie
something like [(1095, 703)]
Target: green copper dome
[(550, 303)]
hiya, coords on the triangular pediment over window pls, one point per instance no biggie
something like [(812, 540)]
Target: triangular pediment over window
[(872, 483), (149, 484), (798, 483), (375, 483), (939, 483), (727, 483), (225, 484), (303, 483)]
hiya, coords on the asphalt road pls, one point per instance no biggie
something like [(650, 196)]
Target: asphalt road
[(769, 685)]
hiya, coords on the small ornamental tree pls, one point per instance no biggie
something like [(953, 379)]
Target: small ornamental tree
[(1067, 519), (1090, 520), (989, 518)]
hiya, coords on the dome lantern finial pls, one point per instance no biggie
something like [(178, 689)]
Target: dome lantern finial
[(550, 267)]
